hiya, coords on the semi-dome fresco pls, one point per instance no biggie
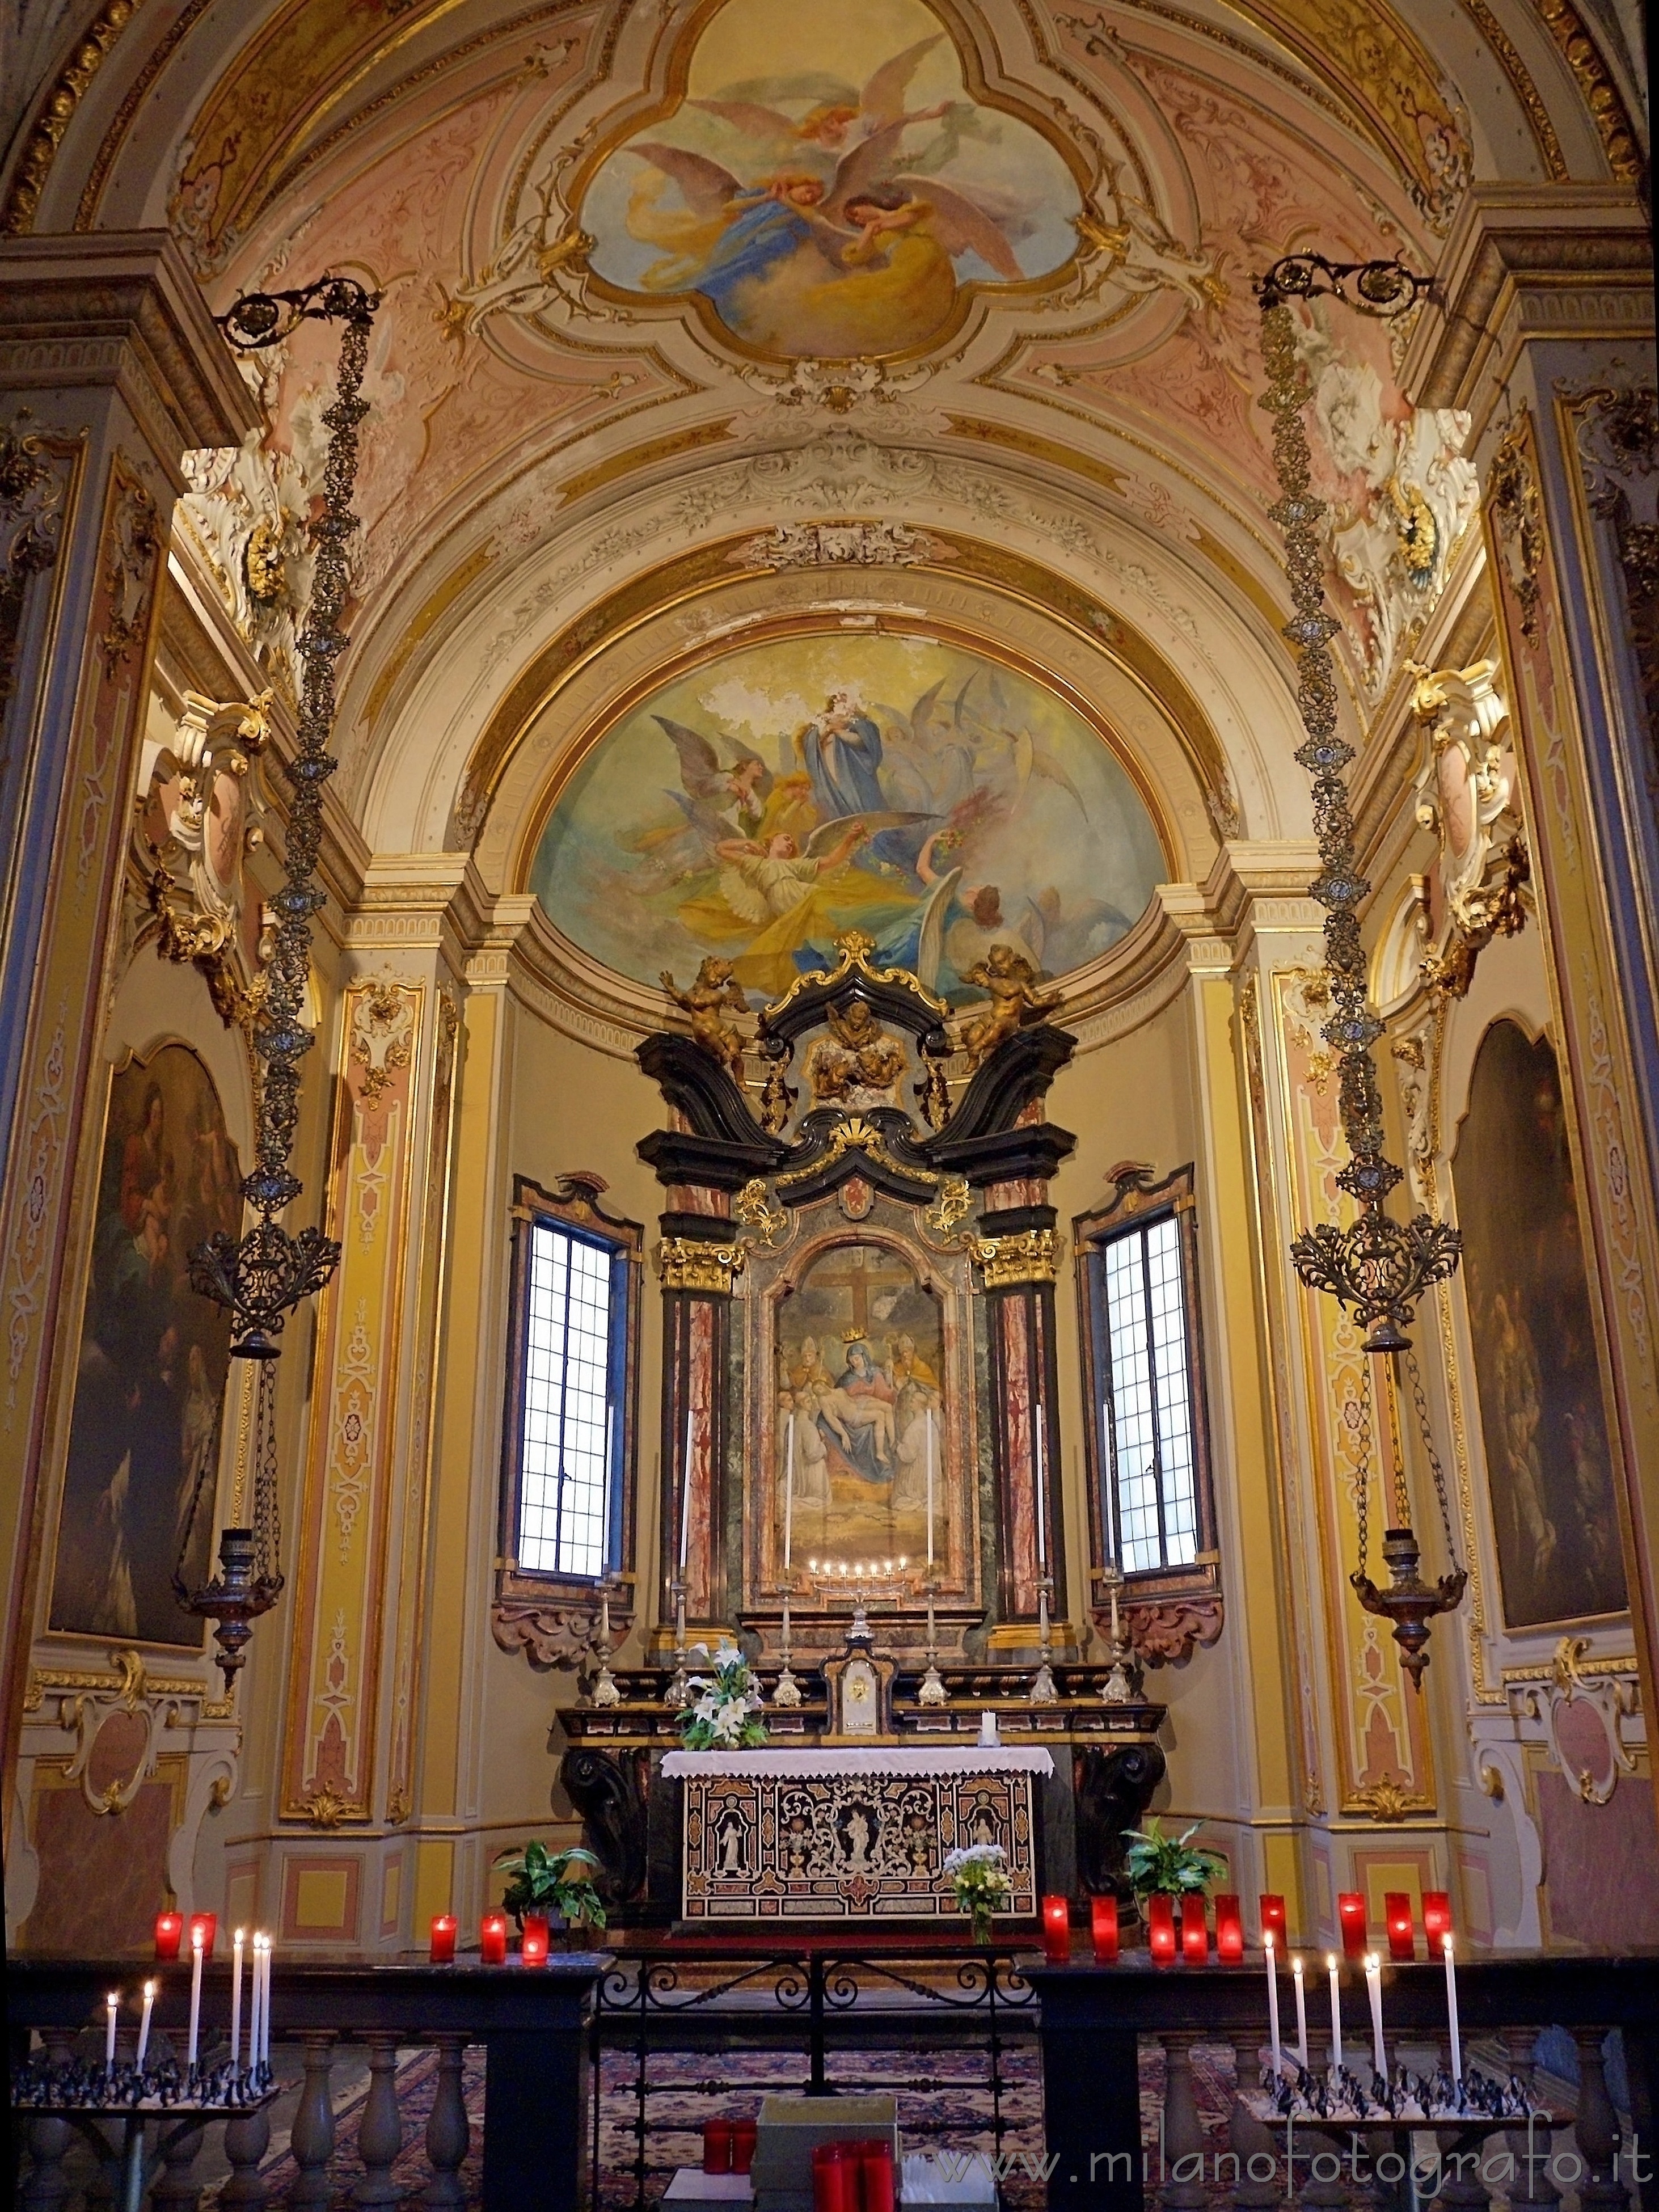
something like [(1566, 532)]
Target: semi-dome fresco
[(829, 185), (937, 800)]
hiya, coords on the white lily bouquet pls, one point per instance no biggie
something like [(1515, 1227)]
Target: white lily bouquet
[(722, 1714), (979, 1877)]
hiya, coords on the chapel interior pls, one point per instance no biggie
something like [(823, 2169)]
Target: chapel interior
[(829, 904)]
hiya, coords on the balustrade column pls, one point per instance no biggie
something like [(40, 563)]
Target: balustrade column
[(1250, 2140), (381, 2131), (176, 2188), (247, 2138), (47, 2187), (1533, 2188), (447, 2132), (1322, 2190), (312, 2140), (1181, 2165), (1597, 2128)]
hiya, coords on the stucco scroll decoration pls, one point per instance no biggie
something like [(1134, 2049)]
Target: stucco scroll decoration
[(1465, 796), (841, 544), (134, 544), (1582, 1707), (197, 811), (246, 510), (33, 476), (135, 1709), (1517, 515), (560, 1635), (382, 1034), (1617, 451), (1166, 1632)]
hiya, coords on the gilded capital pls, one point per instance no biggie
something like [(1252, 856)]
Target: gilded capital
[(686, 1263), (1031, 1255)]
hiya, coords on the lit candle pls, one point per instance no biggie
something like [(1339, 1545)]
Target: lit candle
[(492, 1939), (1194, 1931), (1102, 1925), (169, 1933), (143, 2025), (443, 1939), (255, 1998), (1402, 1928), (1160, 1927), (1374, 1991), (1436, 1918), (1350, 1917), (259, 2049), (197, 1950), (1229, 1930), (236, 2002), (1272, 1998), (1300, 2014), (1336, 2014), (1056, 1930), (930, 1485), (789, 1494), (111, 2005), (533, 1947), (1273, 1917), (206, 1924), (685, 1496), (1452, 2009), (1042, 1493)]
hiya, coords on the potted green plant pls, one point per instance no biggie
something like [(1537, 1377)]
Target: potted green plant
[(1167, 1866), (557, 1883)]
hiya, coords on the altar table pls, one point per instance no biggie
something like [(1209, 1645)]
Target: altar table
[(859, 1834)]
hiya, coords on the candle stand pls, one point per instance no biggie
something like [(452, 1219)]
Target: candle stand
[(786, 1691), (83, 2093), (605, 1691), (1043, 1692), (678, 1695), (932, 1691), (1122, 1685)]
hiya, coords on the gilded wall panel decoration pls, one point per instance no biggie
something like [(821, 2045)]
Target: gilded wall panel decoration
[(340, 1626), (1382, 1737)]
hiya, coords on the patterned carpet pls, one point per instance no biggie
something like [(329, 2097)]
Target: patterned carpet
[(942, 2103)]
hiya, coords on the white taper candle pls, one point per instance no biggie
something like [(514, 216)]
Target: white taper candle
[(1374, 1991), (930, 1485), (1451, 2010), (195, 1996), (112, 2005), (1300, 2014), (1336, 2012), (789, 1495), (236, 2001), (1272, 1998), (685, 1496), (143, 2025), (1042, 1489)]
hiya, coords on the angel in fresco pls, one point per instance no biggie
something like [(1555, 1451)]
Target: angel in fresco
[(835, 123)]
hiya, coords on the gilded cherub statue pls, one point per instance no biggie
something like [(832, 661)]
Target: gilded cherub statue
[(715, 989), (1010, 981)]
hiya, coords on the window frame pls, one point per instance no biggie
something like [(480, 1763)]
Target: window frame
[(572, 1206), (1141, 1204)]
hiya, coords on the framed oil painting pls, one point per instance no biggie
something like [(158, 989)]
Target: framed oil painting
[(144, 1453), (1542, 1417), (829, 185), (786, 791)]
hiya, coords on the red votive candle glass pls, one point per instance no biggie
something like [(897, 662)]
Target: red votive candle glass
[(835, 2178), (443, 1939), (1194, 1931), (1056, 1933), (1229, 1930), (1273, 1921), (717, 2146), (532, 1947), (1436, 1919), (169, 1934), (208, 1923), (1351, 1918), (1160, 1927), (876, 2175), (492, 1940), (743, 2134), (1103, 1926), (1402, 1928)]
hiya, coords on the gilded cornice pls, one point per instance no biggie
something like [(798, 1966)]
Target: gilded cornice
[(1601, 95), (1532, 100), (56, 111)]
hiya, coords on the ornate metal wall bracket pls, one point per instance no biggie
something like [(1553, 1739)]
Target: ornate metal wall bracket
[(264, 1275), (1377, 1266)]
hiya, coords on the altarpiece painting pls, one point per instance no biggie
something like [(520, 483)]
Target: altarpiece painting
[(1541, 1415), (143, 1451)]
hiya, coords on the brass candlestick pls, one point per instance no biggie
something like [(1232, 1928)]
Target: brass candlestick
[(678, 1695), (1043, 1692)]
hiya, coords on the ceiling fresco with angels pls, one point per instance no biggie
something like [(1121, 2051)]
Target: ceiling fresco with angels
[(827, 185), (939, 801)]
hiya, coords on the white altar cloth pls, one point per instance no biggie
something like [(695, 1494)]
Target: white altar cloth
[(867, 1759)]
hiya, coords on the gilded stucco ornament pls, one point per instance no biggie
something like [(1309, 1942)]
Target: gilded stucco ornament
[(1465, 797)]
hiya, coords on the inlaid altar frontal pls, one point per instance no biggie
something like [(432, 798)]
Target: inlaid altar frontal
[(854, 1835)]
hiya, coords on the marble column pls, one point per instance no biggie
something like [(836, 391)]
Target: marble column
[(111, 368), (696, 1260)]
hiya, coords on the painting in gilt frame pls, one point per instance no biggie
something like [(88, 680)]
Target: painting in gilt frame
[(784, 792), (154, 1357), (1542, 1416)]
